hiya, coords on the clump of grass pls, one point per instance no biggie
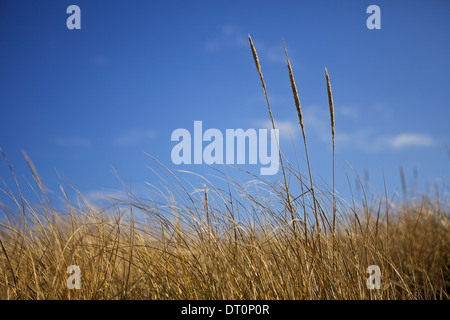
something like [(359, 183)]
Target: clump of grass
[(233, 243), (188, 249)]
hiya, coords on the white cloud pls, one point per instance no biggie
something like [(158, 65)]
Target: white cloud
[(348, 112), (234, 36), (404, 140), (288, 129), (273, 53), (317, 122), (100, 60), (231, 36), (318, 126), (134, 137), (73, 142), (104, 194), (370, 140)]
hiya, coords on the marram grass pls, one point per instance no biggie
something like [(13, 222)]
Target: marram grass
[(236, 243)]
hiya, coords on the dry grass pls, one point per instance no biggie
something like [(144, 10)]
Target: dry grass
[(236, 243), (330, 102)]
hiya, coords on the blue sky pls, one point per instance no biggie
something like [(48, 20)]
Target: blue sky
[(86, 102)]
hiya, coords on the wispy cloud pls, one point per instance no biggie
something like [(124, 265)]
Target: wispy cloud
[(235, 36), (368, 139), (405, 140), (104, 194), (288, 129), (134, 137), (76, 142), (273, 52), (373, 141), (349, 112), (231, 36), (317, 122), (317, 126), (100, 60)]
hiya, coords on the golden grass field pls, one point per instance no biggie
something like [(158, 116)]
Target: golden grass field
[(226, 244)]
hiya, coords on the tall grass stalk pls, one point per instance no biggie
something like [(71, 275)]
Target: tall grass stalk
[(258, 67), (300, 119), (330, 102)]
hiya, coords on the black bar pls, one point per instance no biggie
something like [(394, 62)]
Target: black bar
[(226, 309)]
